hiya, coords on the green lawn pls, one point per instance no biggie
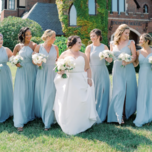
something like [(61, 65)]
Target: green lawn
[(103, 137)]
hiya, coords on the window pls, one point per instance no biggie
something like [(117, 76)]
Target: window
[(73, 16), (145, 9), (92, 7), (118, 6), (12, 4), (3, 5)]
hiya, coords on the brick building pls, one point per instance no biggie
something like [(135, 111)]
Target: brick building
[(136, 13)]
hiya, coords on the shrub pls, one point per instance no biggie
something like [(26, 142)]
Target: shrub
[(11, 26), (37, 40)]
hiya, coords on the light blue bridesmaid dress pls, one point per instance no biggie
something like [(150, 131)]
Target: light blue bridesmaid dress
[(100, 76), (45, 88), (24, 88), (6, 88), (124, 88), (144, 100)]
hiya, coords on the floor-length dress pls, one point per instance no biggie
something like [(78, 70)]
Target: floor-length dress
[(101, 80), (6, 88), (124, 88), (24, 89), (74, 105), (45, 88), (144, 99)]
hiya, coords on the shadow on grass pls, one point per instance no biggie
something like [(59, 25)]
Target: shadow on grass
[(121, 138)]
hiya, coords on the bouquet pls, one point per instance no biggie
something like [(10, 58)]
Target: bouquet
[(124, 57), (15, 60), (1, 66), (150, 61), (39, 58), (106, 54), (65, 64)]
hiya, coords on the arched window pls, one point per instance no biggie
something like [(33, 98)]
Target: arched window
[(118, 6), (73, 16), (12, 4), (145, 9), (92, 7)]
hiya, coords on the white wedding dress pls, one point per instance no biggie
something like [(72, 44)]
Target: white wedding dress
[(74, 106)]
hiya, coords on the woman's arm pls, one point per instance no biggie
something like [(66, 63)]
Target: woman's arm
[(87, 52), (88, 70), (9, 52), (57, 51), (36, 50)]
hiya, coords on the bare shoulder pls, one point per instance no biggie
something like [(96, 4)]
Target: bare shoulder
[(56, 47), (37, 47), (83, 55), (63, 54), (88, 48), (132, 42), (105, 47), (7, 49)]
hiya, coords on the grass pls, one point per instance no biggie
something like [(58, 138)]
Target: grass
[(101, 138)]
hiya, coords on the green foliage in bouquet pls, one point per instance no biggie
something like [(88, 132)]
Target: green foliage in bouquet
[(11, 26)]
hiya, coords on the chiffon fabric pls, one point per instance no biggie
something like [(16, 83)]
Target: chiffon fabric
[(124, 88), (6, 88), (24, 89), (101, 80), (144, 100)]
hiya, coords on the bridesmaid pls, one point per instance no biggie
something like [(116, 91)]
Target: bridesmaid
[(45, 88), (100, 73), (6, 87), (144, 100), (24, 81), (124, 95)]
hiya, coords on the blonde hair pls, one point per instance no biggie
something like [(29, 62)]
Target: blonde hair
[(119, 33), (147, 37), (47, 33)]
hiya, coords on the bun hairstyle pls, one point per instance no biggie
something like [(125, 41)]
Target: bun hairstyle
[(21, 35), (119, 32), (1, 35), (47, 33), (147, 37), (97, 32), (72, 40)]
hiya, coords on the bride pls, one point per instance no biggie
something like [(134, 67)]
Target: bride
[(74, 105)]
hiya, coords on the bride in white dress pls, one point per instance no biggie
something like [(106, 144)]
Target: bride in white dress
[(74, 106)]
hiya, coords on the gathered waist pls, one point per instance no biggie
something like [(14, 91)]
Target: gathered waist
[(75, 71), (97, 64), (146, 65), (4, 63)]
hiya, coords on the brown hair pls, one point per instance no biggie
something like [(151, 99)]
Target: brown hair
[(119, 32), (72, 40), (147, 37), (97, 32)]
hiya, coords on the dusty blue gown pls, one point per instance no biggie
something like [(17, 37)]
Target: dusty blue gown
[(100, 76), (45, 88), (6, 88), (144, 99), (124, 88), (24, 89)]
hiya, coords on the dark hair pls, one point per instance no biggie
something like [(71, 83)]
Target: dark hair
[(97, 32), (21, 35), (72, 40)]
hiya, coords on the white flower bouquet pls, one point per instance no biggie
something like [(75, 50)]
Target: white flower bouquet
[(38, 58), (106, 54), (15, 60), (124, 57), (150, 61), (65, 64), (1, 65)]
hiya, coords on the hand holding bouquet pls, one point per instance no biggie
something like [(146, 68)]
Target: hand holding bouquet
[(125, 57), (106, 54), (14, 60), (65, 64), (38, 58)]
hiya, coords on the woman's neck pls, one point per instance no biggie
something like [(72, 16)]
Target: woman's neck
[(48, 44), (97, 43), (147, 48), (27, 42)]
